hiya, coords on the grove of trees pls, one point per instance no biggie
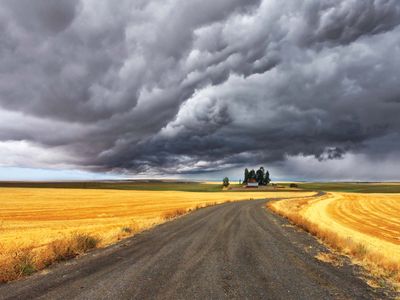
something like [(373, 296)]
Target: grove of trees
[(259, 176)]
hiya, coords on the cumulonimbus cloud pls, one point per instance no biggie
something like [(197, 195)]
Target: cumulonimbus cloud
[(192, 86)]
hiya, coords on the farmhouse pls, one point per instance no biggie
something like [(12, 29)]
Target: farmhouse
[(252, 183)]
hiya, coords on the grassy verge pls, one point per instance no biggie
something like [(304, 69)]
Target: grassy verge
[(26, 261)]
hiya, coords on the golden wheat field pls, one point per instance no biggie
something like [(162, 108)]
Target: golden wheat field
[(40, 219), (365, 226)]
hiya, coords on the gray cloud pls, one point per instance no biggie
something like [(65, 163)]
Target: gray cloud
[(42, 16), (199, 86)]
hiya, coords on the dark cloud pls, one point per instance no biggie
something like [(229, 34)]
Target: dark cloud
[(42, 16), (197, 86)]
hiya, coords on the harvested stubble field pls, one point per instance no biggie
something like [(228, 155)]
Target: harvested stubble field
[(41, 225), (364, 226)]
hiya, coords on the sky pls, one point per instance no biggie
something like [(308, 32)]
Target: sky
[(199, 89)]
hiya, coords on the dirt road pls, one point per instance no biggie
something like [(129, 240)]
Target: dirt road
[(230, 251)]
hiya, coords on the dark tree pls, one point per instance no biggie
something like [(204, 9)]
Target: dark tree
[(246, 175), (225, 182), (252, 174), (260, 176), (267, 180)]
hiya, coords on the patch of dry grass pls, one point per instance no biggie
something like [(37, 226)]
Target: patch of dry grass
[(351, 231), (172, 214), (21, 262), (18, 263), (329, 258)]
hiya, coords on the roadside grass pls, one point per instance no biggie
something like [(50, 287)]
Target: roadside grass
[(20, 263), (23, 262), (378, 265), (329, 258), (127, 230), (172, 214)]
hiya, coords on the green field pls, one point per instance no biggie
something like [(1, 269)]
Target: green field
[(152, 185), (187, 186), (351, 187), (138, 185)]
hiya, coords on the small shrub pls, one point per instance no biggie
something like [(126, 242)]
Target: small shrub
[(68, 248), (61, 250), (293, 185), (84, 242)]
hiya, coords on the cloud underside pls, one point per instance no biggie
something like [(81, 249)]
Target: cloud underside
[(176, 87)]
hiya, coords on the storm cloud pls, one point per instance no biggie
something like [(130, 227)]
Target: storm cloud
[(177, 87)]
